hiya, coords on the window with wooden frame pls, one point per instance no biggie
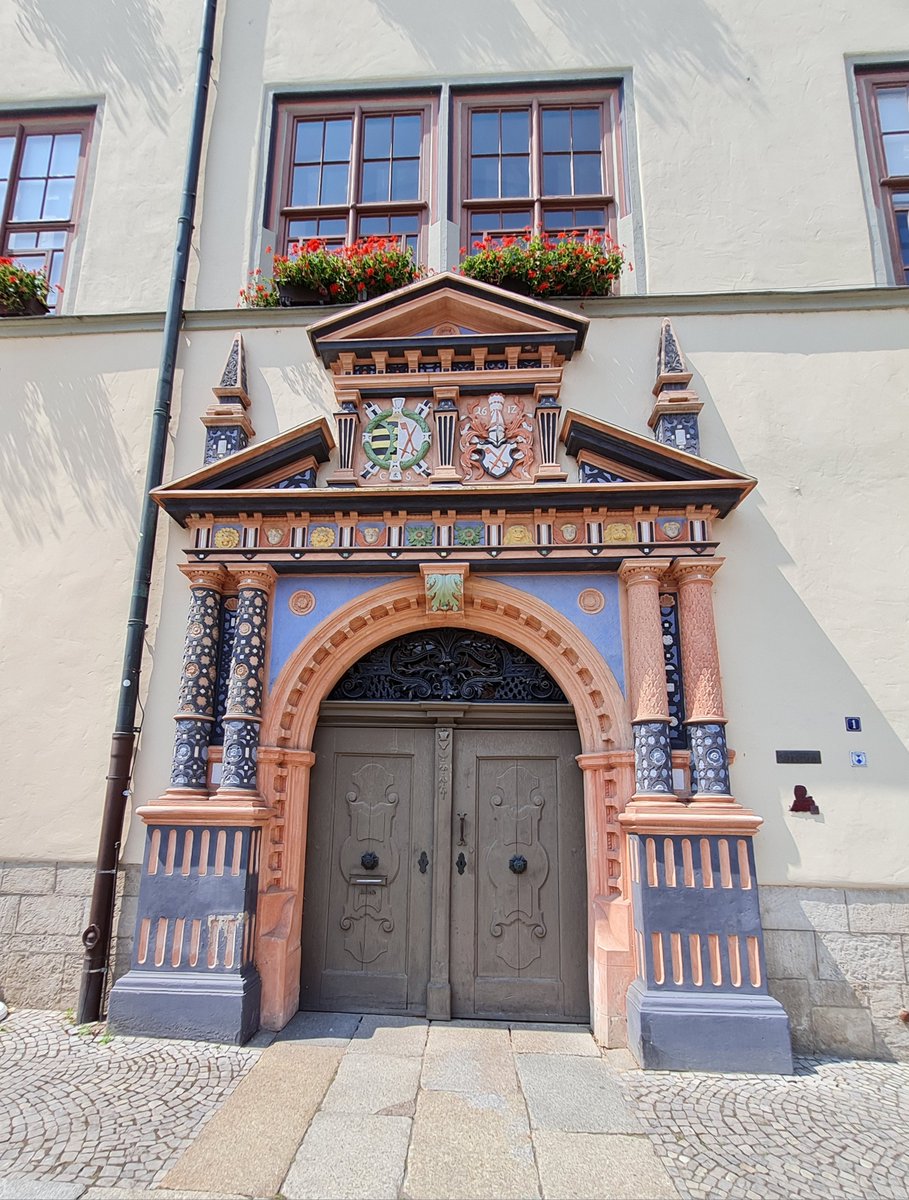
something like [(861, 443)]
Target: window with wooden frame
[(545, 160), (42, 164), (348, 169), (884, 100)]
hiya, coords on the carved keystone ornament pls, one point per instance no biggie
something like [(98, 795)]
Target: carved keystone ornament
[(445, 587)]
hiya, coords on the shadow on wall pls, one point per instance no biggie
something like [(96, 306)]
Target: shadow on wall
[(688, 37), (126, 52), (63, 435)]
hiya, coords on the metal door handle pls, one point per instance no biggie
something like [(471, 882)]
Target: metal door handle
[(462, 820)]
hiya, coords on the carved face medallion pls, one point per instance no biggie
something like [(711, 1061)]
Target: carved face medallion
[(370, 534), (568, 531), (672, 529)]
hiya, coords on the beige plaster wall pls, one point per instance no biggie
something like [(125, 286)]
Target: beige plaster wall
[(810, 604), (723, 195)]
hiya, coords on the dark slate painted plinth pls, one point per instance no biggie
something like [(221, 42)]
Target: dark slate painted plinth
[(684, 1032), (183, 1004)]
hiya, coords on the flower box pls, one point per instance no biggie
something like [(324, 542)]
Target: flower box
[(571, 265), (295, 295), (33, 307), (23, 293), (314, 273)]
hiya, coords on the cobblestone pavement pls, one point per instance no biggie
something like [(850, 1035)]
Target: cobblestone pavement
[(347, 1106), (83, 1109), (836, 1129)]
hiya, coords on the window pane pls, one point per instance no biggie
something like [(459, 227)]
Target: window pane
[(893, 107), (332, 227), (405, 224), (308, 147), (585, 126), (337, 140), (305, 187), (375, 182), (3, 187), (516, 176), (29, 197), (588, 174), (405, 180), (896, 148), (297, 230), (557, 174), (902, 225), (484, 177), (558, 218), (58, 202), (515, 132), (407, 136), (23, 241), (334, 183), (65, 157), (484, 133), (589, 218), (6, 156), (52, 239), (556, 129), (36, 157), (377, 137)]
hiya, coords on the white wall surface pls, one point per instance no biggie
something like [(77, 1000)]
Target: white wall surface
[(810, 604), (748, 167)]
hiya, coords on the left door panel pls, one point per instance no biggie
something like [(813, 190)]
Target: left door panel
[(366, 902)]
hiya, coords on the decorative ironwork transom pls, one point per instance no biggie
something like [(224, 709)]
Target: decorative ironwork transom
[(449, 665)]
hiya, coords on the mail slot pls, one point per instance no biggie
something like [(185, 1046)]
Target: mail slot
[(370, 880)]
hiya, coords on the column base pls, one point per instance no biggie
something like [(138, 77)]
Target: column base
[(201, 1008), (683, 1031), (438, 1002)]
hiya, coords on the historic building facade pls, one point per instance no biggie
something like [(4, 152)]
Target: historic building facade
[(456, 595)]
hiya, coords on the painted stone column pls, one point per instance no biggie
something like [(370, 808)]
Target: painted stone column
[(245, 685), (193, 972), (649, 703), (706, 719), (198, 679), (700, 1000)]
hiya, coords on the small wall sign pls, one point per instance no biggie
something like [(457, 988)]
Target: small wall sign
[(853, 724), (859, 758), (798, 756)]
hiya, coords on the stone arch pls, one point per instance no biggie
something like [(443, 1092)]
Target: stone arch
[(285, 757), (344, 637)]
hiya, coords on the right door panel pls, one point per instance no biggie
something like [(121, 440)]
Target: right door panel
[(519, 928)]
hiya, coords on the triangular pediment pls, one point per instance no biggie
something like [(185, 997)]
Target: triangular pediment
[(447, 310), (638, 458), (276, 463)]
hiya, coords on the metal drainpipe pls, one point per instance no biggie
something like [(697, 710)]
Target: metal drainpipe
[(97, 936)]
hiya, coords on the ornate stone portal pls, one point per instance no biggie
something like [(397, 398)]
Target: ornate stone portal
[(503, 523)]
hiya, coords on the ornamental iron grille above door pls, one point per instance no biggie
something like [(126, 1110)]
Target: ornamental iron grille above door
[(449, 665)]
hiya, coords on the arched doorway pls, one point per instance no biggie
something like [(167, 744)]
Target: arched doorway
[(445, 863), (286, 757)]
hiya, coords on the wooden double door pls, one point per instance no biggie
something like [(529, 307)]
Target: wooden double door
[(445, 865)]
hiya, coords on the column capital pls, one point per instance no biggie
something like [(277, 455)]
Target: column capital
[(695, 570), (638, 570), (207, 574), (255, 575)]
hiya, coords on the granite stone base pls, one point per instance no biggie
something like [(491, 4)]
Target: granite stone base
[(179, 1004), (682, 1031)]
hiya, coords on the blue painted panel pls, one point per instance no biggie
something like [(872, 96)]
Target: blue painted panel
[(604, 628), (331, 593)]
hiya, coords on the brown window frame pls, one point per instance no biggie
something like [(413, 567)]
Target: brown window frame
[(884, 185), (607, 97), (289, 112), (26, 124)]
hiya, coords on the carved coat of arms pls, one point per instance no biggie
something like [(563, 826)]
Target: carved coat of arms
[(496, 439)]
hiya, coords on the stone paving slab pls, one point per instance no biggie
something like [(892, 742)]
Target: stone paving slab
[(374, 1084), (553, 1039), (390, 1035), (26, 1187), (574, 1095), (470, 1147), (320, 1029), (463, 1059), (249, 1144), (591, 1166), (349, 1157), (103, 1193)]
